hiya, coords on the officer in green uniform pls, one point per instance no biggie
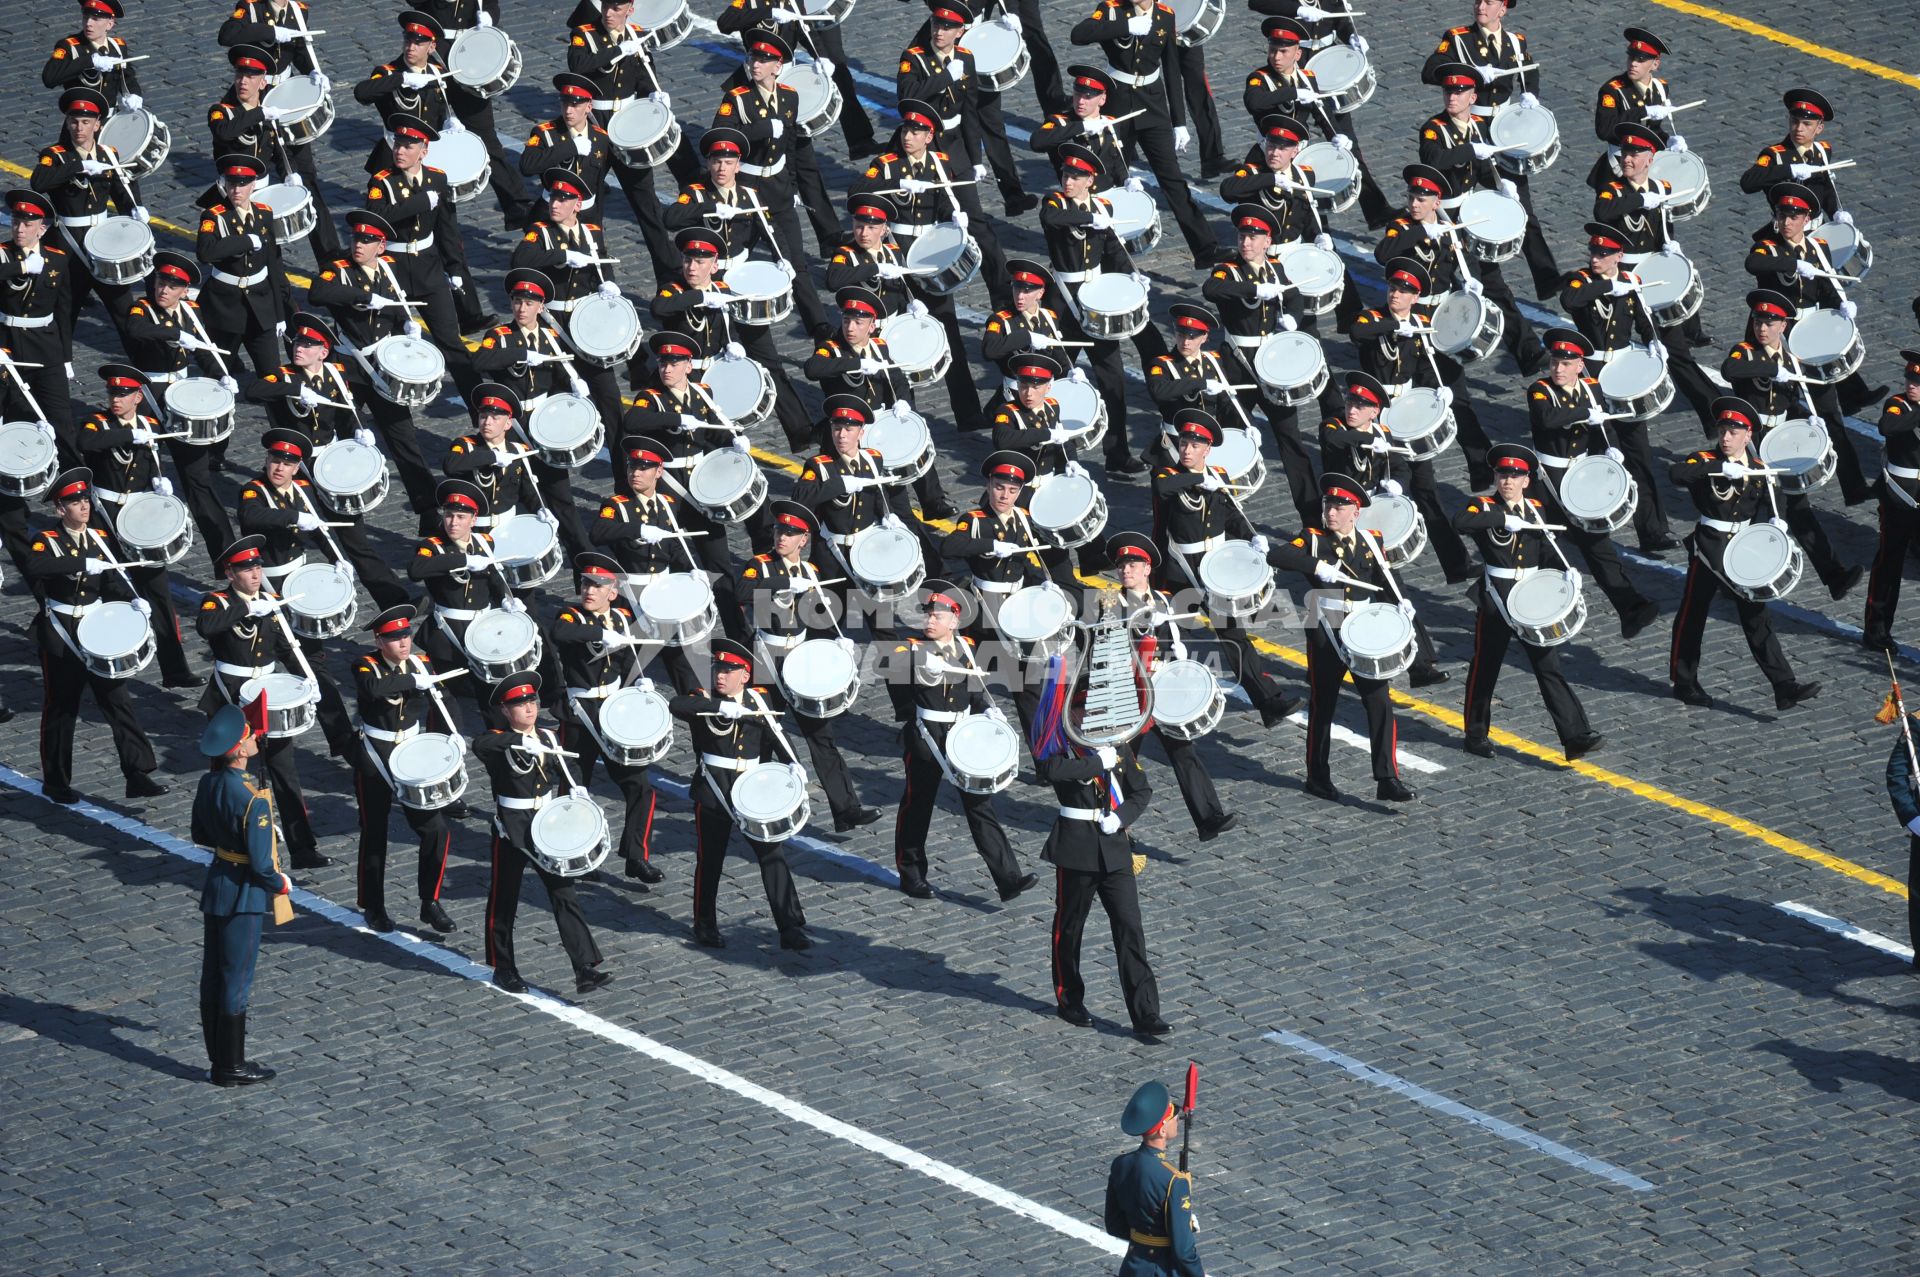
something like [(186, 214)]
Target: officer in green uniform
[(233, 817), (1149, 1198)]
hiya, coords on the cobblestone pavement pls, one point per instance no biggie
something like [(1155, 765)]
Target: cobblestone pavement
[(1593, 956)]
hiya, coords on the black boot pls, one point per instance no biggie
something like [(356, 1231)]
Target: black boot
[(233, 1068)]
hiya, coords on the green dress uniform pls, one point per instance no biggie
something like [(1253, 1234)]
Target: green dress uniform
[(1150, 1199)]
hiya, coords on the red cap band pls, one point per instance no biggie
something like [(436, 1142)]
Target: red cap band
[(1342, 494), (462, 500), (123, 383), (1283, 133), (1460, 82), (1075, 162), (771, 50), (1037, 371), (367, 228), (595, 569), (527, 288), (1792, 201), (577, 92), (1634, 142), (240, 170), (864, 209), (1193, 323), (647, 455), (671, 351), (398, 623), (286, 449), (1199, 432), (1028, 277), (100, 7), (1008, 471), (1641, 46), (1607, 242), (1567, 348), (948, 15), (1737, 417), (517, 692), (724, 657), (1133, 552), (1513, 463), (1363, 392), (855, 306), (701, 246), (1254, 224), (1085, 82), (177, 272), (414, 28), (1424, 184), (495, 402), (917, 117), (77, 488), (1807, 106), (723, 146), (84, 107), (251, 64), (247, 555), (850, 414), (313, 334), (408, 131), (947, 600), (560, 186), (1404, 277), (1770, 308), (793, 521)]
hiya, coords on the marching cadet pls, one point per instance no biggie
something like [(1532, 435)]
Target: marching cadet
[(1789, 260), (1137, 559), (870, 258), (37, 278), (1800, 156), (1635, 204), (919, 179), (1143, 1207), (1605, 303), (933, 679), (1507, 525), (595, 640), (1086, 123), (462, 577), (1899, 504), (560, 262), (1637, 96), (1503, 74), (1272, 178), (164, 342), (775, 588), (527, 770), (1102, 794), (1285, 84), (1028, 324), (1029, 421), (428, 254), (724, 206), (733, 727), (1335, 557), (1194, 512), (241, 123), (823, 44), (245, 627), (839, 486), (1728, 485), (1568, 419), (123, 458), (1138, 40), (81, 178), (394, 687), (1761, 371), (281, 28), (66, 565), (940, 72), (572, 140), (1249, 290), (1191, 376), (490, 461), (246, 299), (641, 530), (234, 818), (417, 86), (95, 58)]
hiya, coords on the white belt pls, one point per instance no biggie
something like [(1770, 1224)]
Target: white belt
[(72, 609), (1196, 547), (179, 375), (610, 104), (1900, 472), (734, 262), (523, 804), (563, 306), (382, 734), (1134, 79), (950, 123), (1072, 276), (725, 764), (27, 321), (1724, 525), (240, 281), (243, 671), (781, 642), (765, 170), (1510, 574), (1395, 389), (1246, 341), (281, 569), (594, 693), (455, 613), (82, 219), (936, 715), (911, 229), (1080, 813), (644, 579), (108, 494), (1773, 418), (410, 245), (842, 538), (1319, 42), (995, 587), (1558, 463)]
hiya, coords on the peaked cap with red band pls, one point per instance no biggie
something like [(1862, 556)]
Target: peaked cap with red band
[(68, 484), (395, 622)]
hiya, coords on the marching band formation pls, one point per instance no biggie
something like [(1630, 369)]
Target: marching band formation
[(711, 616)]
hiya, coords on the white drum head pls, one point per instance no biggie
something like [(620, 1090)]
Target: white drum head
[(293, 94), (1756, 555), (1414, 414), (1311, 269), (282, 197), (569, 827), (127, 131), (1389, 518), (199, 397), (1333, 169), (898, 439), (282, 690), (1595, 486), (993, 46), (767, 792), (638, 122), (1542, 598), (347, 465), (1132, 210), (914, 341), (761, 281), (1182, 690), (323, 589), (522, 538), (817, 669), (461, 156), (1820, 336), (938, 249), (602, 326), (479, 53), (411, 359), (813, 89), (985, 746), (720, 476), (25, 449), (1061, 500), (1079, 402), (1500, 216), (1234, 568), (119, 239), (1337, 66), (1376, 630), (635, 716), (1798, 446), (1289, 359), (563, 421), (1034, 612), (735, 386), (1631, 374), (676, 598), (1236, 452), (423, 758), (150, 519), (1663, 279), (884, 556), (1684, 170), (1111, 293), (1525, 129), (1456, 321), (499, 635), (113, 630)]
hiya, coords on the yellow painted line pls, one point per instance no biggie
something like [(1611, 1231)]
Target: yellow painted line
[(1808, 47)]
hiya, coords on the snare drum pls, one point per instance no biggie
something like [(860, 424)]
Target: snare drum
[(1187, 699), (819, 96), (1237, 579), (1421, 420), (120, 249), (918, 345), (412, 371), (1136, 220), (1292, 367), (1083, 414), (350, 477), (1344, 79), (1468, 327), (462, 156), (1687, 174), (484, 60), (1238, 453), (566, 431), (1847, 249), (678, 609), (886, 563), (770, 802), (321, 600), (1498, 225), (528, 548), (636, 728), (115, 640), (428, 771), (1333, 170), (202, 407), (1762, 562), (305, 112), (1069, 507), (29, 459), (729, 486), (155, 527), (292, 702), (1113, 305), (765, 291), (944, 258), (1316, 274), (1196, 21), (644, 133), (1397, 524), (1376, 641), (983, 754), (294, 212), (835, 11), (1802, 448), (1827, 344), (667, 22), (569, 835), (1037, 617), (820, 678), (1546, 608), (501, 644), (1000, 57), (1670, 287), (903, 441), (140, 138), (1635, 385), (604, 331), (1597, 494), (1528, 138), (741, 390)]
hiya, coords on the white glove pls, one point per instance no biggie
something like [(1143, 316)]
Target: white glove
[(690, 422), (915, 185), (1528, 100), (858, 482), (997, 714), (633, 48), (1011, 22), (798, 772), (547, 517), (1445, 395), (46, 428), (654, 536), (1259, 543), (957, 69), (934, 665), (870, 365), (1406, 608), (917, 308), (1096, 124), (608, 288), (1653, 197), (1101, 221), (1308, 12), (1391, 487), (1110, 823), (133, 101), (1596, 415), (163, 485), (725, 212), (1288, 323), (826, 66), (1843, 217), (713, 299), (1485, 150), (412, 327), (1407, 328), (890, 270), (364, 437), (1109, 757), (1059, 434), (1342, 142), (1211, 482), (1658, 349), (422, 682), (735, 350), (285, 35), (1678, 144), (577, 259), (740, 444), (1323, 242), (1616, 456), (1620, 287), (1078, 376), (229, 385), (1305, 94), (1805, 269), (1435, 229), (893, 521), (1514, 523), (308, 521), (433, 201), (1658, 110), (1182, 138), (308, 395), (1137, 185), (1778, 523), (142, 435), (1672, 248), (485, 19), (1037, 340), (1328, 572), (901, 407), (106, 61), (1801, 172), (981, 173), (262, 607), (1573, 578), (1270, 290), (777, 126), (1509, 188), (320, 81), (1004, 550), (1215, 386), (960, 218), (1472, 287), (1849, 309), (416, 79), (1734, 469), (93, 168), (33, 263), (96, 566), (1379, 446), (732, 709), (1359, 44), (254, 242), (1139, 23), (71, 375), (512, 604)]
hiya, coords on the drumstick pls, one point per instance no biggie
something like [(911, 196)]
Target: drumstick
[(1515, 70), (773, 722), (300, 25), (339, 559), (1832, 166), (402, 301), (200, 331), (11, 365), (901, 190), (1299, 186), (1246, 422), (1355, 583), (1688, 106)]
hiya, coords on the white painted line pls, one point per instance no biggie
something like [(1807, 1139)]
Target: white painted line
[(1347, 736), (712, 1074), (1845, 929), (1453, 1108)]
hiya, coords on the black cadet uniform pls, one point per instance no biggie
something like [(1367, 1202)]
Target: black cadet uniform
[(950, 82), (1402, 361), (250, 130), (1269, 92), (102, 65), (1175, 383), (429, 255), (462, 579), (245, 299), (821, 40), (1096, 132), (82, 200), (1777, 163), (37, 310), (622, 530), (1638, 212), (847, 495), (500, 469), (1899, 505), (1624, 100), (1298, 215)]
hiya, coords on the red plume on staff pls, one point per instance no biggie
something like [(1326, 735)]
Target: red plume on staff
[(255, 712), (1894, 709), (1186, 1111)]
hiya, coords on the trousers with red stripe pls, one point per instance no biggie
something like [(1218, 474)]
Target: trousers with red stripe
[(1325, 668), (636, 786), (376, 804), (1075, 890), (1491, 635), (1690, 624), (510, 865)]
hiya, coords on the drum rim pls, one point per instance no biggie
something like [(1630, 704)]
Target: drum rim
[(848, 664), (1370, 614), (114, 608), (308, 693), (1174, 670), (745, 795), (978, 726)]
